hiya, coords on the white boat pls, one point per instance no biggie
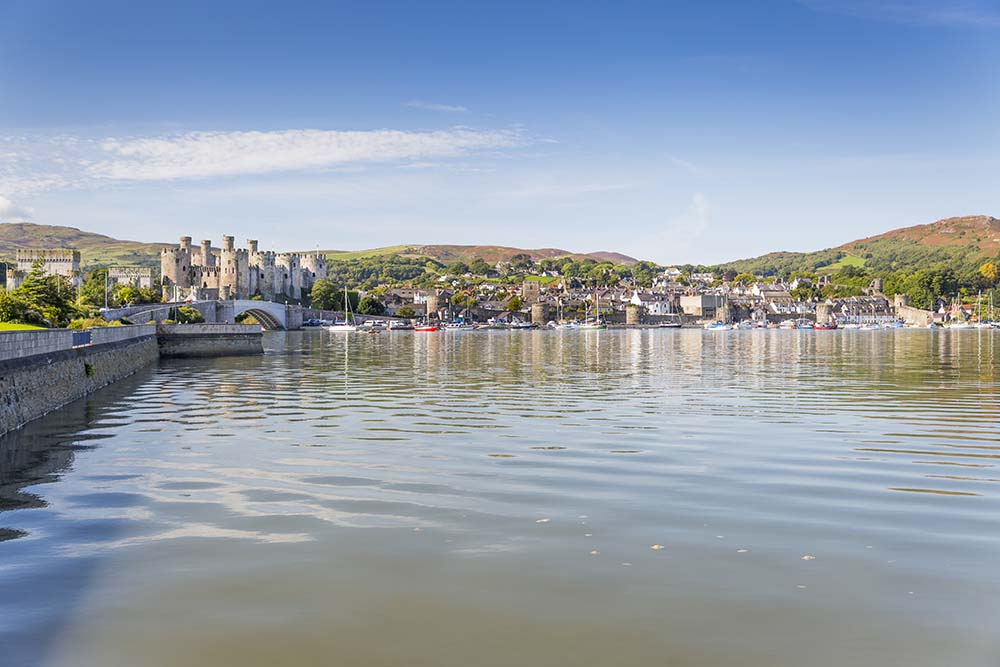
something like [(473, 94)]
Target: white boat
[(459, 326), (348, 324), (718, 326)]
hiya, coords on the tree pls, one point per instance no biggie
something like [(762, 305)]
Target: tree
[(371, 306), (458, 268), (51, 295), (92, 288), (189, 315), (521, 262), (126, 295), (989, 272), (744, 278), (326, 296), (15, 309), (405, 312), (480, 267), (514, 304)]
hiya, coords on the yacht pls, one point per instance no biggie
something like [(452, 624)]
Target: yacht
[(347, 324)]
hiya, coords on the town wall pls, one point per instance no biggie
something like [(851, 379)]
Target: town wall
[(208, 340), (48, 372)]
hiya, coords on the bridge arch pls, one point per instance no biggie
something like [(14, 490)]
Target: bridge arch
[(270, 315)]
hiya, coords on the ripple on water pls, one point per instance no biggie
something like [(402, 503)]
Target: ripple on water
[(675, 474)]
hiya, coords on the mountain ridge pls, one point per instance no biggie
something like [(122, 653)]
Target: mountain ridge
[(97, 249)]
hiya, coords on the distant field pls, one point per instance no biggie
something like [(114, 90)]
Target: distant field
[(342, 255), (846, 260), (7, 326)]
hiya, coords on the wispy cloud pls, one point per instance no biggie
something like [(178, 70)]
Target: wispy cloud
[(30, 165), (209, 154), (978, 13), (566, 190), (10, 212), (433, 106)]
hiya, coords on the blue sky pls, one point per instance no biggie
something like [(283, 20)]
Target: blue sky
[(673, 131)]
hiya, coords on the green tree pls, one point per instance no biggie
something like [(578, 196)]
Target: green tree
[(188, 315), (521, 262), (14, 308), (92, 289), (458, 268), (371, 306), (405, 312), (51, 295), (514, 304), (480, 267), (326, 296), (127, 295), (744, 278)]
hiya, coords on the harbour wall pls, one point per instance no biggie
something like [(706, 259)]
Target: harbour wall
[(44, 370), (208, 340)]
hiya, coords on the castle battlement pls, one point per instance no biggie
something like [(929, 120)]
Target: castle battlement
[(240, 272)]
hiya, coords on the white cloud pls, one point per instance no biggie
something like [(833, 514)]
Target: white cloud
[(431, 106), (978, 13), (213, 154), (10, 212)]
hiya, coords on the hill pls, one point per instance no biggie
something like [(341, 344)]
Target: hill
[(94, 248), (960, 243), (491, 254), (98, 249)]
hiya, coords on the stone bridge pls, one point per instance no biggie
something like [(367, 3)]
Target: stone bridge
[(271, 315)]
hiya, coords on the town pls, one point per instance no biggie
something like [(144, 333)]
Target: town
[(519, 290)]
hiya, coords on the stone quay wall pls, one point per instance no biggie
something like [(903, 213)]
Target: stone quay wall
[(48, 372), (179, 341)]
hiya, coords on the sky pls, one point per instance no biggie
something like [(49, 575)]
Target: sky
[(699, 131)]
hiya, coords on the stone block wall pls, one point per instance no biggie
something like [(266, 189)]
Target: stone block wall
[(209, 340), (17, 344), (32, 386)]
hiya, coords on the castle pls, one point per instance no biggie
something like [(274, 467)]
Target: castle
[(55, 262), (200, 274)]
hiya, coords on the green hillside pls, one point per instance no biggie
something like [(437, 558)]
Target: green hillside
[(98, 249), (94, 248), (446, 254), (959, 244)]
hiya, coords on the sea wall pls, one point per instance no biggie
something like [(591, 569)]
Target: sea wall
[(209, 340), (44, 370)]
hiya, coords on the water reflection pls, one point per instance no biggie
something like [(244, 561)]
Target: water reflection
[(492, 498)]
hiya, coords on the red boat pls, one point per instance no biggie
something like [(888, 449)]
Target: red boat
[(825, 326), (425, 328)]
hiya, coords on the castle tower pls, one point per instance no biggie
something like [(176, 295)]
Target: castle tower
[(313, 269), (175, 269), (207, 258)]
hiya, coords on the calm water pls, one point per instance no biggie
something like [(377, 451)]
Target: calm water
[(493, 499)]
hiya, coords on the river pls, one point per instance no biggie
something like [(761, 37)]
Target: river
[(757, 498)]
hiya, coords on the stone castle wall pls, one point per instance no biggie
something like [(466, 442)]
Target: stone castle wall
[(237, 273), (31, 386)]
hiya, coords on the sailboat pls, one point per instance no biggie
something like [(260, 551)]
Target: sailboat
[(674, 321), (595, 323), (348, 323)]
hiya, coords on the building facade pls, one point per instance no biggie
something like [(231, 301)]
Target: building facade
[(55, 261), (237, 273), (136, 276)]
